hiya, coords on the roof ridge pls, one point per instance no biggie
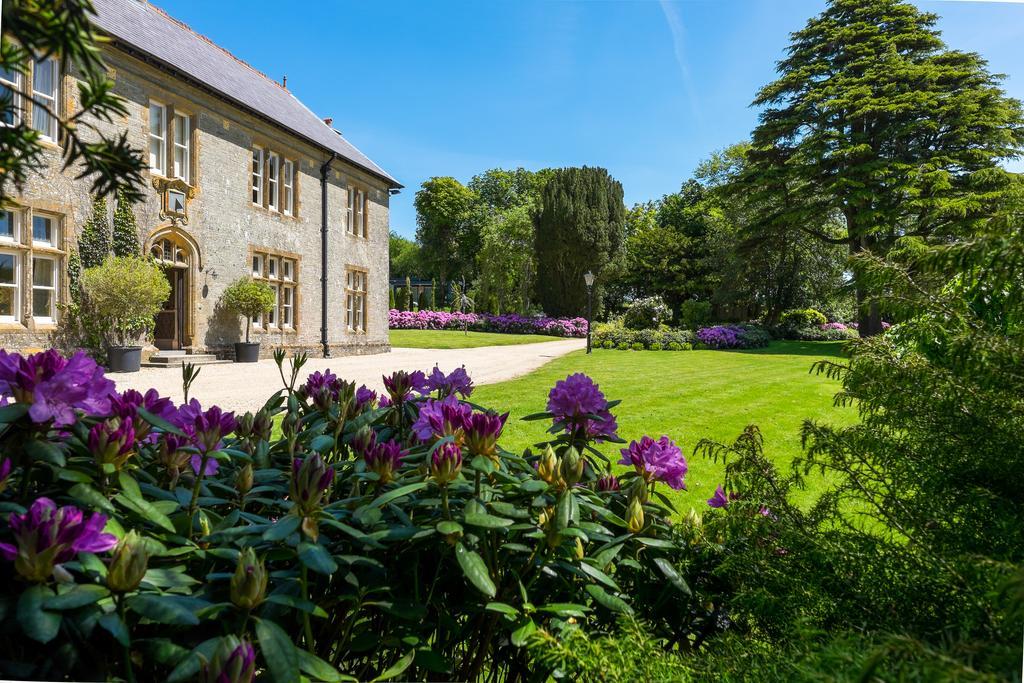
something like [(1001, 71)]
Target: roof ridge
[(230, 54)]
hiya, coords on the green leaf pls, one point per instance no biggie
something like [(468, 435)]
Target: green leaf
[(606, 599), (162, 609), (79, 596), (45, 451), (597, 574), (297, 603), (448, 527), (317, 668), (398, 667), (502, 608), (278, 652), (475, 570), (168, 578), (482, 519), (13, 412), (158, 422), (114, 626), (145, 509), (84, 493), (533, 486), (563, 511), (536, 416), (522, 634), (386, 498), (282, 528), (34, 621), (317, 558), (565, 609), (189, 666), (322, 443), (673, 576)]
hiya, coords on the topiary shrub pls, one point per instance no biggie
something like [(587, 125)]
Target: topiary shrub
[(124, 294), (248, 298), (623, 346), (802, 317), (647, 313), (638, 346)]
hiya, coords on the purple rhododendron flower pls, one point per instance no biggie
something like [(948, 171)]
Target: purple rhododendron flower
[(445, 462), (482, 432), (608, 483), (47, 536), (437, 419), (720, 500), (6, 467), (456, 382), (575, 401), (126, 406), (484, 322), (211, 467), (365, 398), (318, 382), (206, 428), (400, 384), (55, 386), (659, 460), (384, 459), (112, 441)]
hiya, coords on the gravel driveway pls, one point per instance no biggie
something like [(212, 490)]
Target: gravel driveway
[(246, 386)]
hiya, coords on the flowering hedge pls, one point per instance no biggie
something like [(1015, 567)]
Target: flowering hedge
[(733, 337), (484, 322), (388, 536)]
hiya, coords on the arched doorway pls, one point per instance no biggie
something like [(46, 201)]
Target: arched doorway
[(177, 253)]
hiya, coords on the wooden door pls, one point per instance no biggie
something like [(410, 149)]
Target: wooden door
[(169, 331)]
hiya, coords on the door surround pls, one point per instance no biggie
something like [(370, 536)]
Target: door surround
[(175, 249)]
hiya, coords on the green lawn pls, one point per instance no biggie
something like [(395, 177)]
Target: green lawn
[(688, 395), (448, 339)]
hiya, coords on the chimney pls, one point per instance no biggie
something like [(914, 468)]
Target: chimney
[(329, 120), (284, 82)]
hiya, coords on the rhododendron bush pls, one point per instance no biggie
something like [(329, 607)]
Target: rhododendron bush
[(511, 323), (374, 536)]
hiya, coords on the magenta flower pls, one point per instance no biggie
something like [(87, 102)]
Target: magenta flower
[(6, 467), (400, 384), (311, 479), (385, 459), (659, 460), (126, 406), (456, 382), (208, 428), (210, 468), (55, 386), (445, 463), (112, 441), (608, 483), (720, 500), (324, 388), (234, 661), (437, 419), (363, 441), (481, 433), (47, 536), (366, 398), (579, 407)]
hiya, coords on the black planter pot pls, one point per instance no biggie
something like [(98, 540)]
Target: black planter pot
[(247, 352), (124, 358)]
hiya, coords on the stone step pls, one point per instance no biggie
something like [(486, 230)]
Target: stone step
[(176, 360)]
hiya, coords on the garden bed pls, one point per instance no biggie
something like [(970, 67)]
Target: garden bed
[(484, 322)]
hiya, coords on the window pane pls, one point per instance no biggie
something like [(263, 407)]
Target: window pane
[(7, 301), (42, 272), (7, 224), (7, 270), (43, 122), (42, 303), (181, 130), (42, 229), (257, 266)]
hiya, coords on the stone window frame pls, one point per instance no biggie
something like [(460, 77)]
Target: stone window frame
[(24, 103), (354, 294), (13, 85), (273, 172), (173, 113), (186, 146), (279, 282), (358, 197), (282, 193), (54, 98), (26, 250)]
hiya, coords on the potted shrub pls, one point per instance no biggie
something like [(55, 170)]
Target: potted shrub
[(248, 298), (124, 294)]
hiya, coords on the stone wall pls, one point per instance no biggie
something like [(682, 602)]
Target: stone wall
[(224, 226)]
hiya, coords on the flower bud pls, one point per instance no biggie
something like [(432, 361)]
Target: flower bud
[(608, 483), (234, 661), (128, 565), (635, 515), (244, 480), (262, 425), (249, 582), (112, 442), (446, 463), (639, 490), (363, 441), (571, 467), (578, 550), (6, 467), (548, 467), (311, 478), (245, 425)]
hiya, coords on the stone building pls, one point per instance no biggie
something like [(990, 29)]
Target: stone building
[(244, 180)]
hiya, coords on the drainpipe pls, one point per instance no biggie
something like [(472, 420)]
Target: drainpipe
[(323, 254)]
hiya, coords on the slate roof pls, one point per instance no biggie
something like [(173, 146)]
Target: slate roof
[(140, 26)]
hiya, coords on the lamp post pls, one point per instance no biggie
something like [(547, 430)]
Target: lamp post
[(588, 278)]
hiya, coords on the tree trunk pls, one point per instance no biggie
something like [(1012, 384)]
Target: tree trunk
[(869, 317)]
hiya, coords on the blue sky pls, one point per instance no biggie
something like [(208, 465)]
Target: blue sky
[(643, 88)]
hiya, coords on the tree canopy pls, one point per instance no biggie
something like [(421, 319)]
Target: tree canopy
[(875, 120)]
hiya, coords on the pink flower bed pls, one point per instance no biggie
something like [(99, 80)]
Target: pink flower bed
[(483, 322)]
